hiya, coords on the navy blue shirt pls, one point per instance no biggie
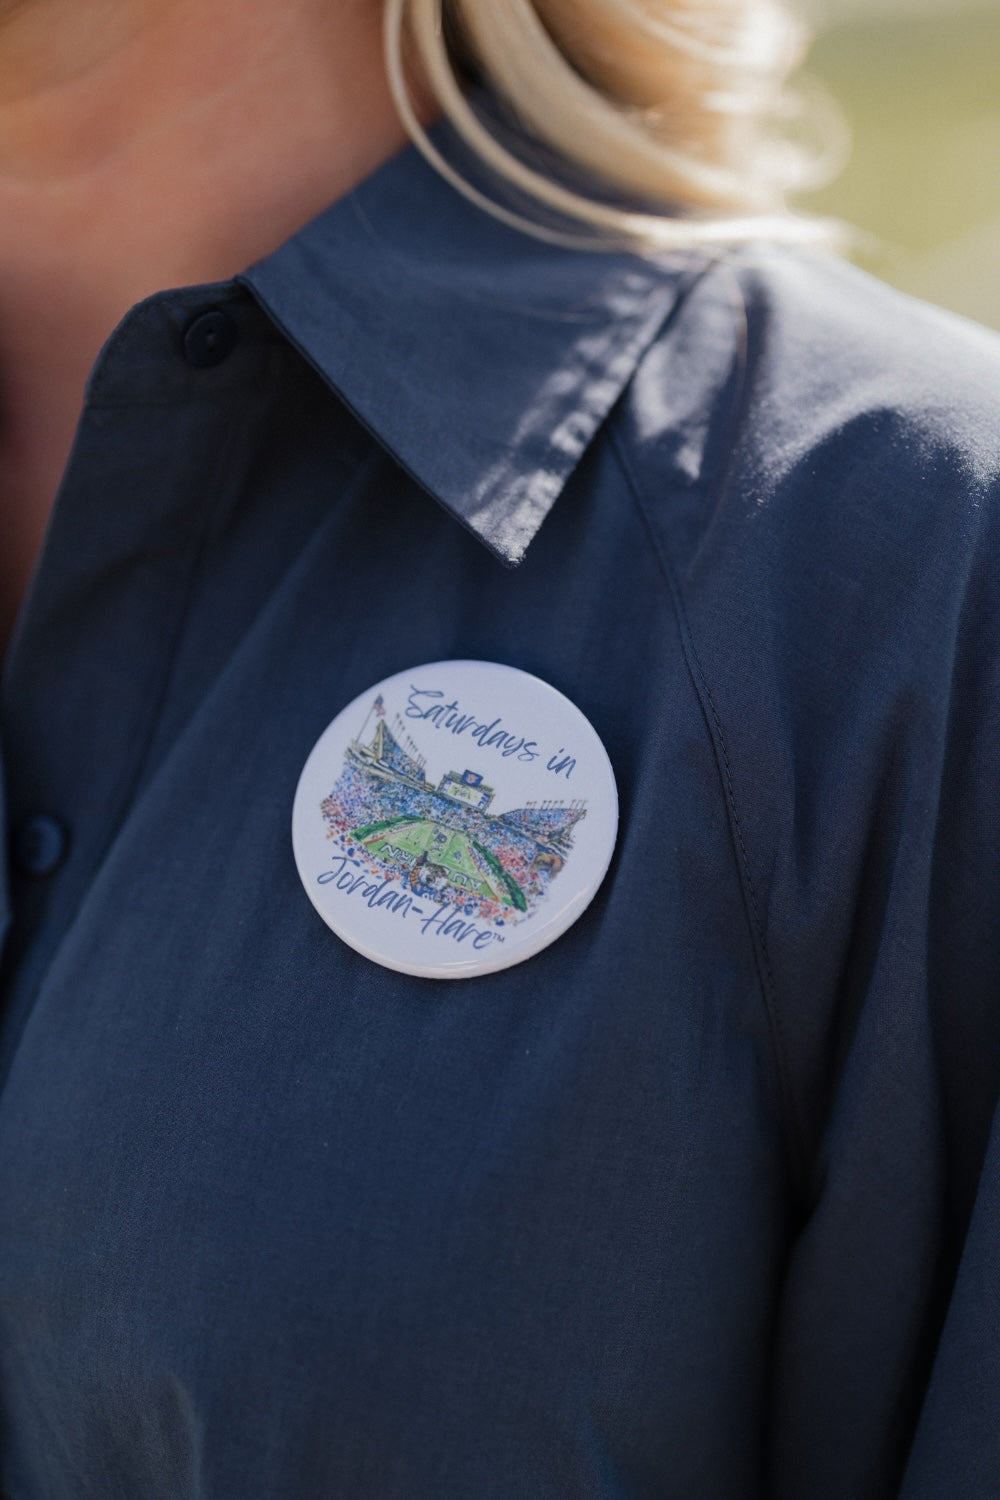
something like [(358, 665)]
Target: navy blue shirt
[(701, 1201)]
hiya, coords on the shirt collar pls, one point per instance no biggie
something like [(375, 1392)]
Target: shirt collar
[(484, 360)]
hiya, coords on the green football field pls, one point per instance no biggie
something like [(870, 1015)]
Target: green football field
[(448, 848)]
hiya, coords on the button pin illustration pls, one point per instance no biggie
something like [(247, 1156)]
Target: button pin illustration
[(455, 819)]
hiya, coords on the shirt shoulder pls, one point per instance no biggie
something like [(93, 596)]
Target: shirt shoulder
[(799, 432), (774, 357), (818, 458)]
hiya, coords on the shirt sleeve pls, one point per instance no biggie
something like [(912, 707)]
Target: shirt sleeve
[(835, 553)]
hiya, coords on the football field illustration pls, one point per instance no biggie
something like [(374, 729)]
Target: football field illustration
[(445, 838)]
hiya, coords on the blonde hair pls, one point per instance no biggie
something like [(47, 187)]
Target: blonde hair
[(673, 109)]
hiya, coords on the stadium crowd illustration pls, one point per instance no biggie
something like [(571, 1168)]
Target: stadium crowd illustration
[(382, 788)]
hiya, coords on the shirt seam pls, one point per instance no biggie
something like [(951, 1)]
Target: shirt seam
[(752, 908)]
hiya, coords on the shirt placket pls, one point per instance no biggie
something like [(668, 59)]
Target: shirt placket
[(89, 666)]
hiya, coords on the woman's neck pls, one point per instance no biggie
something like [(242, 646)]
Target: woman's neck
[(150, 143), (202, 130)]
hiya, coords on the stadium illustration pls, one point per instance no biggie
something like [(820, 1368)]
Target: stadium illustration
[(444, 840)]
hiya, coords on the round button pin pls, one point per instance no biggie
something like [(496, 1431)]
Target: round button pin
[(455, 819)]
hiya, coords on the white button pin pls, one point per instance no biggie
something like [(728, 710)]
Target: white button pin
[(455, 819)]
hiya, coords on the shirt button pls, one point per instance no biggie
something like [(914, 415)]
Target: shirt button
[(39, 844), (209, 338)]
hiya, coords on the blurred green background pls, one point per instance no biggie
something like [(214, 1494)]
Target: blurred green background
[(919, 83)]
